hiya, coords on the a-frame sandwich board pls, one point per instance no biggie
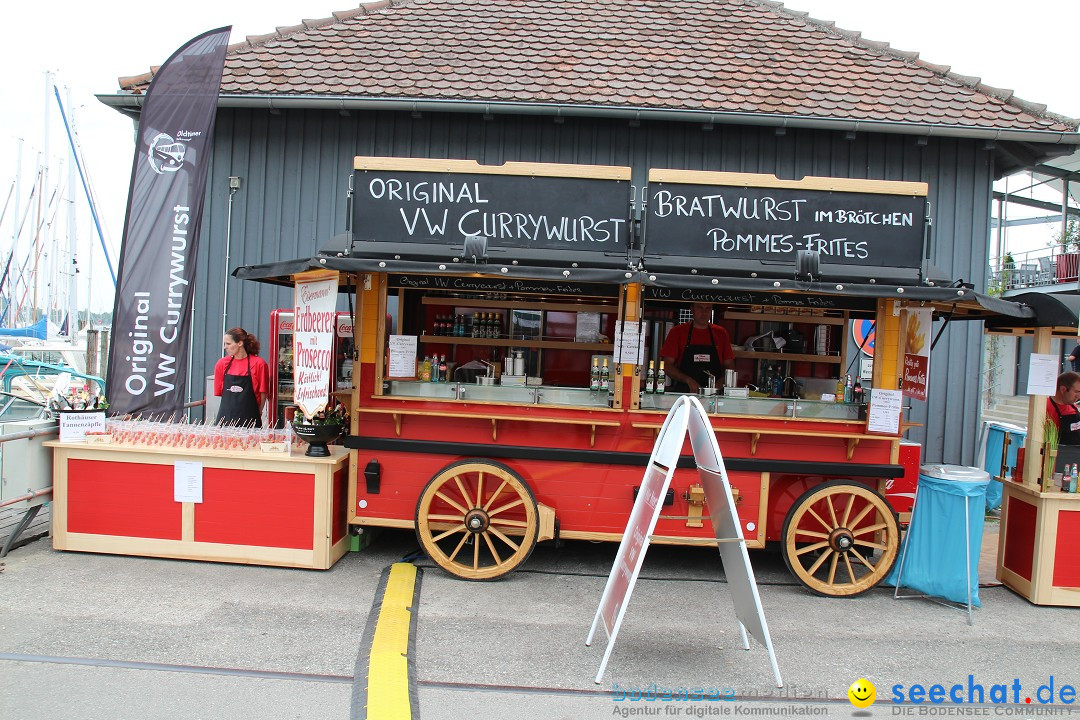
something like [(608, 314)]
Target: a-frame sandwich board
[(686, 416)]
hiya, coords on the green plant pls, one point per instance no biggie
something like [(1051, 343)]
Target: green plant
[(1068, 239), (1008, 261)]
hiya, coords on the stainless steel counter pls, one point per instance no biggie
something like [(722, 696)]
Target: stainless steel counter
[(776, 407), (510, 394), (583, 397)]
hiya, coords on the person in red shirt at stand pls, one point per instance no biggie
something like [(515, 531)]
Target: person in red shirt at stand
[(696, 349), (1062, 408), (241, 380)]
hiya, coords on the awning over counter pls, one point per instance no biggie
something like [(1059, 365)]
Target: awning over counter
[(1059, 312), (956, 302), (531, 265)]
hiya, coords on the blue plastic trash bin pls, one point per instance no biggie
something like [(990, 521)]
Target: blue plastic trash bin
[(995, 440), (934, 558)]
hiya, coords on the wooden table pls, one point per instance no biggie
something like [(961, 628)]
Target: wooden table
[(257, 508), (1039, 544)]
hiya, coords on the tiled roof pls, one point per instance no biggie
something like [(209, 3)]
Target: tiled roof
[(722, 56)]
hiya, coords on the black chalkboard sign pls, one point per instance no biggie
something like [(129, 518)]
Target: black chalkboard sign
[(733, 218), (577, 208)]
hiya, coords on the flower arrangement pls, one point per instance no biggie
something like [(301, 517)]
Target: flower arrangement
[(335, 413)]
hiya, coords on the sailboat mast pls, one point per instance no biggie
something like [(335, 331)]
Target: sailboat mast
[(47, 241), (71, 265)]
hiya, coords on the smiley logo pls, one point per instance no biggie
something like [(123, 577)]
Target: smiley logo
[(862, 693)]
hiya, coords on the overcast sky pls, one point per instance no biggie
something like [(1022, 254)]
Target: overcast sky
[(1025, 46)]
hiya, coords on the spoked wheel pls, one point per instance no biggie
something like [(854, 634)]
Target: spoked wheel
[(477, 519), (840, 539)]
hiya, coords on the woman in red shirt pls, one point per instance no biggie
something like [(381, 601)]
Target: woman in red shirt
[(241, 380)]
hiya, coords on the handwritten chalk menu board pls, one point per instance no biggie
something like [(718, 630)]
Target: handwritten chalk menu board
[(458, 285), (583, 208), (753, 297), (758, 217)]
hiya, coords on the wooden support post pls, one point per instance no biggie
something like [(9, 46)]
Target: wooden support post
[(1033, 456), (695, 496)]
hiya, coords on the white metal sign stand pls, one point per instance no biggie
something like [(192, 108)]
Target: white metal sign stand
[(686, 415)]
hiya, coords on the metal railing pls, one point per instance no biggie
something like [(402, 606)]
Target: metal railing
[(1035, 268)]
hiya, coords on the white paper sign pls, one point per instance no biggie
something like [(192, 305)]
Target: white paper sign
[(884, 414), (629, 343), (866, 368), (187, 481), (75, 425), (1042, 374), (402, 356), (314, 319)]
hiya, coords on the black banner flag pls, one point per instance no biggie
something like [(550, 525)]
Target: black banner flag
[(148, 360)]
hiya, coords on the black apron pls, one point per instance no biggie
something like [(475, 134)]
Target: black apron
[(696, 360), (1068, 426), (239, 406)]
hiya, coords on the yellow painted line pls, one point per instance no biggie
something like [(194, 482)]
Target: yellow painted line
[(388, 665)]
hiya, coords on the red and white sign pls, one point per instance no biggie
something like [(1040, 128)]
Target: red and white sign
[(916, 372), (314, 318)]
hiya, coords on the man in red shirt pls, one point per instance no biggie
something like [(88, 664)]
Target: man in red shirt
[(696, 349), (1061, 408)]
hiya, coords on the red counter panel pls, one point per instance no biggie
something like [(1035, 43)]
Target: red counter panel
[(1020, 532), (123, 499), (267, 509), (1066, 569)]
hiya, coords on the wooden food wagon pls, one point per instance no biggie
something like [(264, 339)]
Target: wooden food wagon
[(524, 282)]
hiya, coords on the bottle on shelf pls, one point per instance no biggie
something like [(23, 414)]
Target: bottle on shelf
[(661, 380), (840, 389), (857, 392), (425, 370), (650, 379), (605, 376), (443, 370), (849, 391), (475, 325), (594, 375)]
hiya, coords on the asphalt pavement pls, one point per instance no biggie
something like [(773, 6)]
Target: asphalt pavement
[(97, 636)]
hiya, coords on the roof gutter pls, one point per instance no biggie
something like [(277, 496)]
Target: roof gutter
[(130, 105)]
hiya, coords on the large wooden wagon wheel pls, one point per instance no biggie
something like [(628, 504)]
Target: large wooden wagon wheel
[(477, 519), (840, 539)]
